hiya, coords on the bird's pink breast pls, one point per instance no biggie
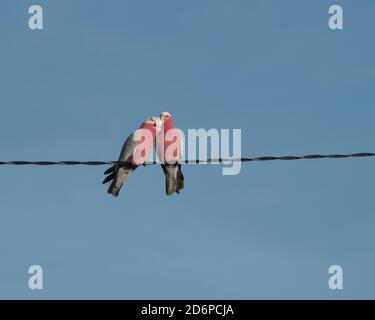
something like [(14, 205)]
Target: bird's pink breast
[(172, 142)]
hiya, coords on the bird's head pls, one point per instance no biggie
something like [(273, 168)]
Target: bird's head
[(165, 116)]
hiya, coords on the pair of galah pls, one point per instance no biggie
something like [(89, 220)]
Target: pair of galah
[(155, 132)]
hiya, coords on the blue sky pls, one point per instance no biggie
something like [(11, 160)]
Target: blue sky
[(271, 68)]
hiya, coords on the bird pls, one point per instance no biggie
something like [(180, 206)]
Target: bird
[(168, 147), (135, 151)]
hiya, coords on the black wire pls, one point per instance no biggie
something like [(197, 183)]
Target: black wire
[(207, 161)]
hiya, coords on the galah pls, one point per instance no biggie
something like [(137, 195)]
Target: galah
[(168, 146), (135, 152)]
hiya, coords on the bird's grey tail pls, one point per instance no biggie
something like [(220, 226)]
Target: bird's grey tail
[(118, 175), (180, 179), (174, 179)]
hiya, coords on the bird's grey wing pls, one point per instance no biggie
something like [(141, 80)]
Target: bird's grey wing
[(125, 154), (127, 148)]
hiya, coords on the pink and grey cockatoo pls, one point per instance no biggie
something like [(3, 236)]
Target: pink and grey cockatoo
[(169, 148), (134, 152)]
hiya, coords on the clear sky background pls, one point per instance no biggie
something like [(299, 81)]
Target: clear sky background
[(272, 68)]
